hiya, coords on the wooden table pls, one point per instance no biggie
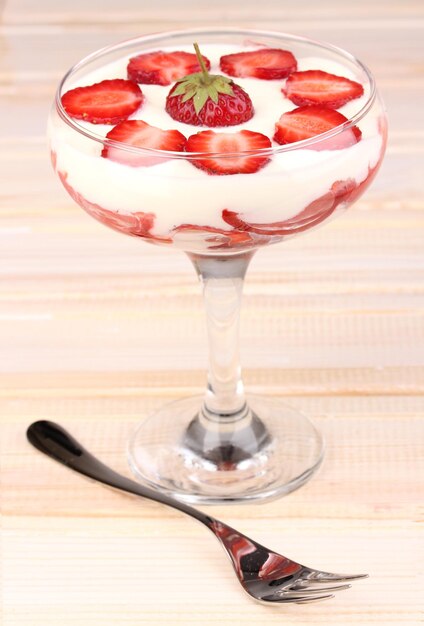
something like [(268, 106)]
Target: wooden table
[(98, 329)]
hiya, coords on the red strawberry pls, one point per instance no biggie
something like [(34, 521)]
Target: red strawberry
[(315, 213), (53, 158), (136, 224), (231, 143), (108, 102), (372, 171), (232, 237), (228, 110), (317, 87), (162, 68), (310, 121), (204, 99), (266, 63), (141, 135)]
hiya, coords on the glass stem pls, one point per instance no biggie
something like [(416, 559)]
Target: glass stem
[(222, 279)]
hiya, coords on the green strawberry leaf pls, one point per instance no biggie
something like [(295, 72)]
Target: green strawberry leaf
[(213, 93), (199, 99)]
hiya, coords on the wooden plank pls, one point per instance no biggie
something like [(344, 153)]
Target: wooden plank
[(364, 382), (102, 12), (361, 453), (391, 62)]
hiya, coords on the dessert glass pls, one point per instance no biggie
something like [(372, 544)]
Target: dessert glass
[(224, 445)]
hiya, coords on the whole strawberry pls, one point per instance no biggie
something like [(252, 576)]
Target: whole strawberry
[(203, 99)]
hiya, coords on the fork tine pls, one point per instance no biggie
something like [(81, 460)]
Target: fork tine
[(309, 589), (310, 599), (294, 597), (327, 577)]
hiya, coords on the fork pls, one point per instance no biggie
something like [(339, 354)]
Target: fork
[(265, 575)]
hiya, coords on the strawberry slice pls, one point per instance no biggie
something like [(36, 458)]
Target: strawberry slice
[(312, 215), (265, 63), (321, 208), (141, 135), (137, 224), (372, 171), (232, 143), (53, 158), (163, 68), (309, 121), (108, 102), (317, 87), (223, 238)]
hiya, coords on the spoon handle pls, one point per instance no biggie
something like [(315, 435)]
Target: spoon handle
[(54, 441)]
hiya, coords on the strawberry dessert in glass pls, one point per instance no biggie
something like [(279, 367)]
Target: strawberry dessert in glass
[(218, 142)]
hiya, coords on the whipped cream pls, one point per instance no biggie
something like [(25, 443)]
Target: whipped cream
[(179, 193)]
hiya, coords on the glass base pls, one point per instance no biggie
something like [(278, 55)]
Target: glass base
[(266, 451)]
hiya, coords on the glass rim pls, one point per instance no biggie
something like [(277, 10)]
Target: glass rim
[(169, 154)]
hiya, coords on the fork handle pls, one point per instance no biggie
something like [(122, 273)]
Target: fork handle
[(54, 441)]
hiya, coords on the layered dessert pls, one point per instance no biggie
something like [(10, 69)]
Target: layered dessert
[(218, 149)]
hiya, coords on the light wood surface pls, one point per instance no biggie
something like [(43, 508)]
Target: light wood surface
[(97, 330)]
